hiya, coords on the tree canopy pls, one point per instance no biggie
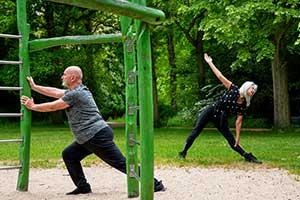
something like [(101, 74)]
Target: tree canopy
[(248, 40)]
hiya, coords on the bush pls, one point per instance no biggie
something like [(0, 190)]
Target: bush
[(180, 120), (250, 122), (165, 112), (188, 116)]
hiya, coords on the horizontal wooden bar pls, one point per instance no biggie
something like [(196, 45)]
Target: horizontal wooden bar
[(10, 36), (10, 88), (5, 62), (120, 7), (10, 114), (45, 43), (11, 140)]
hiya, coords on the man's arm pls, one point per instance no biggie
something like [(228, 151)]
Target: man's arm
[(58, 104), (216, 71), (238, 125), (47, 91)]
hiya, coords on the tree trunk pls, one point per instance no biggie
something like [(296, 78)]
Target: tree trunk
[(49, 20), (89, 69), (197, 43), (58, 116), (172, 63), (280, 88), (200, 62), (155, 96)]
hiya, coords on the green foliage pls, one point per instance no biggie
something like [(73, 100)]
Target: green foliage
[(184, 118), (188, 116), (110, 92), (8, 15), (251, 25), (298, 40), (165, 113), (239, 34)]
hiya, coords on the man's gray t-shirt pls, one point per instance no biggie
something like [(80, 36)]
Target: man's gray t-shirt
[(84, 117)]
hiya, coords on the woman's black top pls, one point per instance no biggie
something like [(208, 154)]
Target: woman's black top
[(227, 103)]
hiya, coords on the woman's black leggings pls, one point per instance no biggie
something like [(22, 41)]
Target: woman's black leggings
[(220, 122)]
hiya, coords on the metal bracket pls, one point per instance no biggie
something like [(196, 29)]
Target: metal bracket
[(129, 44), (132, 109), (132, 77), (130, 39), (132, 172), (141, 30), (132, 141)]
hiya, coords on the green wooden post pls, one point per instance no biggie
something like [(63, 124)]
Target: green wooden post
[(131, 112), (146, 113), (25, 125), (146, 108)]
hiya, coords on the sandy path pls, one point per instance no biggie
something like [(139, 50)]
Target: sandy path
[(181, 183)]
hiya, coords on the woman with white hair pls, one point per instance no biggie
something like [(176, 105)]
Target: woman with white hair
[(235, 101)]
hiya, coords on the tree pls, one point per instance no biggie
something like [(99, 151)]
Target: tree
[(190, 14), (260, 30), (166, 33)]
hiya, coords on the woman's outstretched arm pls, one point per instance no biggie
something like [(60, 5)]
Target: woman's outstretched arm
[(238, 126), (219, 75)]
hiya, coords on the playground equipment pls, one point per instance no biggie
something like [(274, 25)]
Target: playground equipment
[(25, 115), (137, 53)]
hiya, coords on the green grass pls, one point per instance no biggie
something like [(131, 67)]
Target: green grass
[(275, 149)]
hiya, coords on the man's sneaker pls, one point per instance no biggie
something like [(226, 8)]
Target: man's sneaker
[(80, 191), (249, 157), (182, 154), (159, 187)]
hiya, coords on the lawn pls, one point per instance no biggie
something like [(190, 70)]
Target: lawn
[(275, 149)]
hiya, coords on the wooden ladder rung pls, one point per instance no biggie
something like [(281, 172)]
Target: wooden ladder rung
[(10, 114), (10, 88), (10, 36), (10, 167), (6, 62), (11, 140)]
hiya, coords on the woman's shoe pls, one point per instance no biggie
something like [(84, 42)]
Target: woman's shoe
[(80, 191), (249, 157), (182, 154)]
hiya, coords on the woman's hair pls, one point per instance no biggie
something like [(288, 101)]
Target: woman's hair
[(243, 90)]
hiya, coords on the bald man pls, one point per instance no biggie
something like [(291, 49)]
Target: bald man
[(92, 134)]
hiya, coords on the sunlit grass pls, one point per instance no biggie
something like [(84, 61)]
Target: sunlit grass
[(280, 150)]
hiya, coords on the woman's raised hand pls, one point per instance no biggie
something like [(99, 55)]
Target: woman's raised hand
[(207, 58)]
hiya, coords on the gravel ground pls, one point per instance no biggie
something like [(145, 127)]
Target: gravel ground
[(182, 184)]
